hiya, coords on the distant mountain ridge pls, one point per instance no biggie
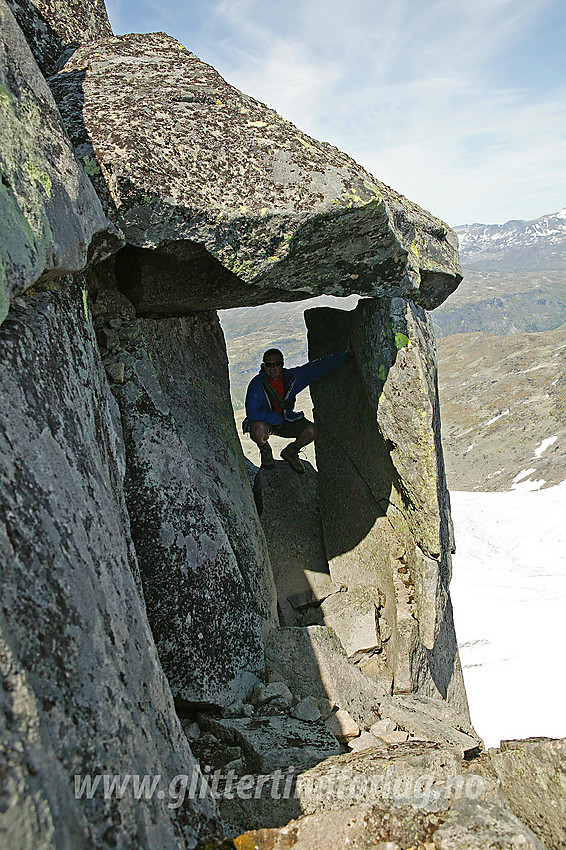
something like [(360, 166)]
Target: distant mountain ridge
[(514, 278), (501, 346), (504, 303), (515, 246)]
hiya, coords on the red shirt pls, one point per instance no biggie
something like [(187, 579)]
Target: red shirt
[(278, 385)]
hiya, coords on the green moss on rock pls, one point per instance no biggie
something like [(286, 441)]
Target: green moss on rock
[(48, 208), (4, 299)]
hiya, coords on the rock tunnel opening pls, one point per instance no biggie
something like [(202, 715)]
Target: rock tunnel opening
[(249, 331), (370, 526), (366, 518), (288, 504), (145, 507)]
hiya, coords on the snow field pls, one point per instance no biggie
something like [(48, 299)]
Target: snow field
[(509, 596)]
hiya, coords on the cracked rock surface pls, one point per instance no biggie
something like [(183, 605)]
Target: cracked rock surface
[(203, 558), (52, 220), (384, 502), (83, 692), (466, 825)]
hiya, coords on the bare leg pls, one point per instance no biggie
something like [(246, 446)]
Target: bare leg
[(259, 432), (291, 452), (305, 437)]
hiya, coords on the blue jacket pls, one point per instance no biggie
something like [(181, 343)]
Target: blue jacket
[(258, 406)]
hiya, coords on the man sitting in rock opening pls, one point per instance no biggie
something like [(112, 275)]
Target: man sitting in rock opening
[(270, 402)]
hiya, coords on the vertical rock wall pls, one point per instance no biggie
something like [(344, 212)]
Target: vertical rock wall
[(51, 217), (204, 563), (83, 690), (383, 492)]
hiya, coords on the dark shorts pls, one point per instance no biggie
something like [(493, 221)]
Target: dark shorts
[(291, 429)]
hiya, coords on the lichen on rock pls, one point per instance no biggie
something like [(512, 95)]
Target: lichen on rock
[(200, 162), (55, 26), (384, 501), (203, 560), (52, 220), (83, 693)]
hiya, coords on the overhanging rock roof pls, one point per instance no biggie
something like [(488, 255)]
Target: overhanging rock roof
[(185, 162)]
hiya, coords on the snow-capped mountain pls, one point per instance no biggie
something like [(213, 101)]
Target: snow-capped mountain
[(516, 245)]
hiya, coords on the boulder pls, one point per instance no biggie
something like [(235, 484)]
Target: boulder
[(467, 825), (203, 559), (364, 741), (423, 775), (532, 774), (83, 695), (288, 507), (342, 725), (52, 220), (395, 737), (56, 27), (275, 742), (354, 614), (383, 496), (263, 694), (436, 709), (472, 824), (306, 710), (289, 775), (274, 748), (409, 717), (203, 177), (383, 727), (313, 663)]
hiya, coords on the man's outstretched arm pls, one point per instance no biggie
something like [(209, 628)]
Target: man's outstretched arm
[(315, 369)]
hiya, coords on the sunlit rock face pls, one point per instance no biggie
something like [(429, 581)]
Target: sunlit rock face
[(197, 161), (52, 220), (55, 27), (384, 502)]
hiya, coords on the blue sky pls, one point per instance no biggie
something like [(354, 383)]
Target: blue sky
[(458, 104)]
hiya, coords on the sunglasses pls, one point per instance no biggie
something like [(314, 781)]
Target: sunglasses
[(273, 363)]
